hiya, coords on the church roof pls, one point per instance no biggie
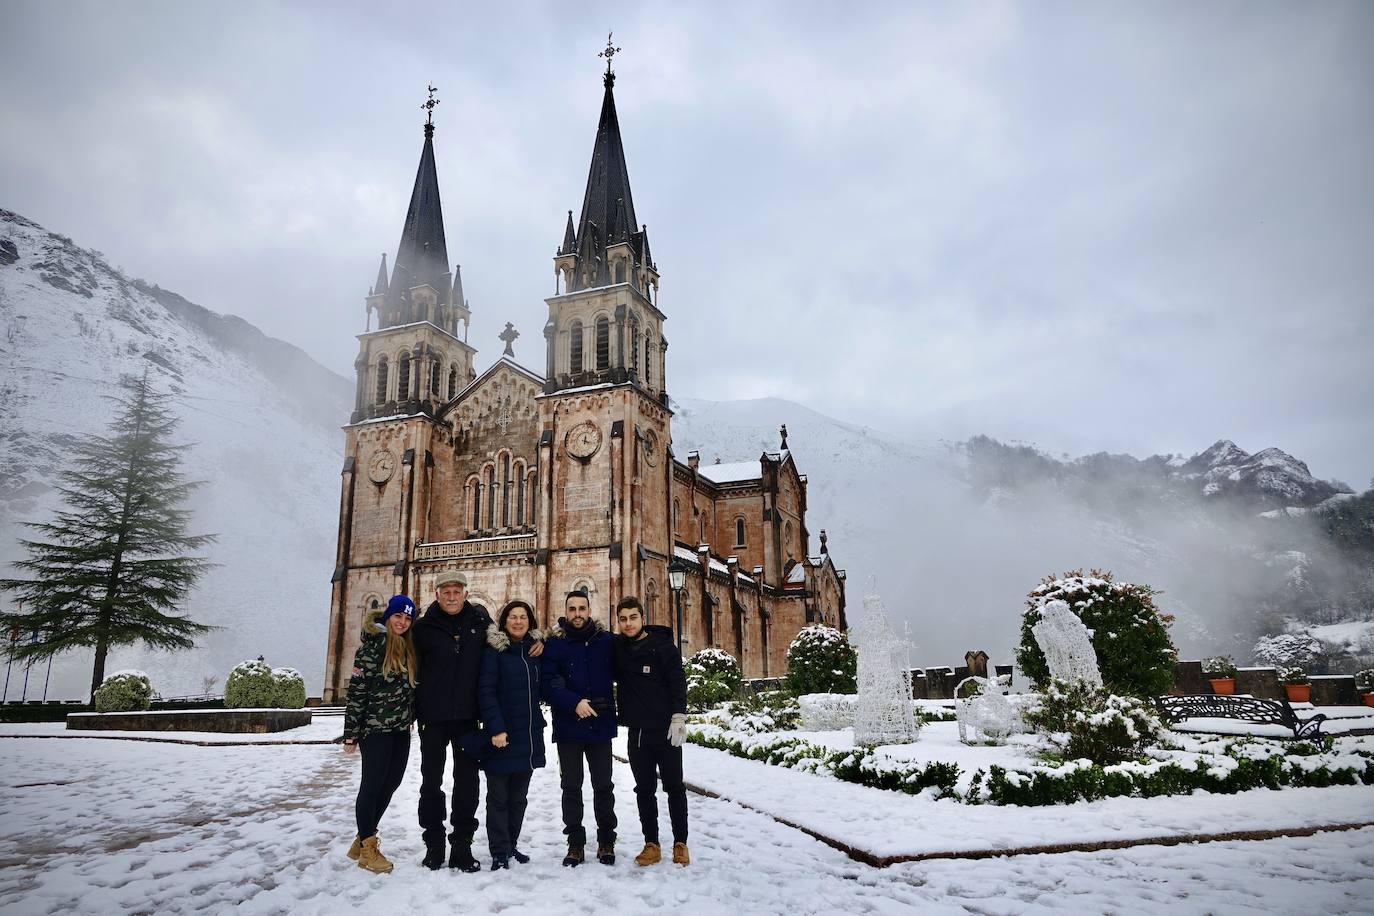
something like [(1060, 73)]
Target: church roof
[(734, 472), (422, 255), (608, 185)]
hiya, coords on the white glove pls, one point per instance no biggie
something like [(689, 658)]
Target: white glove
[(677, 729)]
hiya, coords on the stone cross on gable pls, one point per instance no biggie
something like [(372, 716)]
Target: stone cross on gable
[(509, 335)]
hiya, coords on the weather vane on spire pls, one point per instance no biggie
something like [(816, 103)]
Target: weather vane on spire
[(429, 109), (611, 51)]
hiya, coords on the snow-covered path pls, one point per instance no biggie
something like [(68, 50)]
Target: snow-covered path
[(107, 826)]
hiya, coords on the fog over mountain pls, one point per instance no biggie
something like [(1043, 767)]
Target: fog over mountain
[(952, 533)]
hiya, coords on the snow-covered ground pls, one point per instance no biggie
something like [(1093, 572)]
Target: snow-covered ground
[(117, 826)]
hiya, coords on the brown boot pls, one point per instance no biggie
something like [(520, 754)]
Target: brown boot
[(680, 856), (372, 859), (574, 856), (356, 849), (651, 855), (605, 853)]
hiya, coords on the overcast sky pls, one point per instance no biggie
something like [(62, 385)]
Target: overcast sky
[(1131, 227)]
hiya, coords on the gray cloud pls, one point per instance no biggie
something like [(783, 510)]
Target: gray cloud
[(1093, 227)]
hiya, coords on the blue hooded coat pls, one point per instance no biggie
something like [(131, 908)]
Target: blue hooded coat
[(508, 693), (578, 664)]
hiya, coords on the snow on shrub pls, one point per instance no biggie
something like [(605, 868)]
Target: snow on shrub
[(821, 660), (288, 688), (124, 691), (1219, 666), (1364, 680), (250, 686), (1129, 633), (825, 712), (1084, 723), (713, 676), (1288, 649)]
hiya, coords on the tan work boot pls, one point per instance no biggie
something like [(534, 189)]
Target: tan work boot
[(356, 849), (372, 859), (650, 855), (680, 856)]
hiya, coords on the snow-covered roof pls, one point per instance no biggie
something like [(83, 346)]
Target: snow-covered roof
[(797, 575), (734, 472), (690, 556)]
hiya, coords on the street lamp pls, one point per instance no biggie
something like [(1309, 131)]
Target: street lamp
[(677, 579)]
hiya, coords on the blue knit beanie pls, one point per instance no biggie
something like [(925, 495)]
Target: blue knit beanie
[(399, 604)]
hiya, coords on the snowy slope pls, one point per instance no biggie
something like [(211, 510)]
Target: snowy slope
[(260, 420)]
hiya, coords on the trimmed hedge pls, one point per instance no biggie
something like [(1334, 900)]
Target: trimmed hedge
[(123, 691), (821, 660)]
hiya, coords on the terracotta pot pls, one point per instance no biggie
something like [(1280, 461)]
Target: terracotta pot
[(1368, 698), (1298, 693), (1223, 686)]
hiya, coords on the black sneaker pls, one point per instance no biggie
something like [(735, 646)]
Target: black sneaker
[(460, 857), (520, 857), (605, 853), (434, 856)]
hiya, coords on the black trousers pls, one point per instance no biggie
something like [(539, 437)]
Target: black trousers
[(436, 740), (507, 794), (650, 762), (384, 764), (598, 756)]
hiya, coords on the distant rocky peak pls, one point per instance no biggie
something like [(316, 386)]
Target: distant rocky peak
[(1222, 453)]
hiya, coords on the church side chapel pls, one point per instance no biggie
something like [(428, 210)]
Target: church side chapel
[(535, 485)]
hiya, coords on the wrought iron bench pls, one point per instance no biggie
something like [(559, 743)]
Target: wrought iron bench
[(1244, 709)]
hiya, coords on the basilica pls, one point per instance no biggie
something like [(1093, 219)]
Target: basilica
[(536, 483)]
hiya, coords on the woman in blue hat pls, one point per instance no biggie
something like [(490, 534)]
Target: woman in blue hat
[(380, 710)]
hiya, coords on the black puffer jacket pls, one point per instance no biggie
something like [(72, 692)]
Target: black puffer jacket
[(449, 650), (651, 684)]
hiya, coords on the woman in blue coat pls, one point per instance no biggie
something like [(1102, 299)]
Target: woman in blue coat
[(508, 695)]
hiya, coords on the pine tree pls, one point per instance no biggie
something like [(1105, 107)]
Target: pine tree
[(109, 570)]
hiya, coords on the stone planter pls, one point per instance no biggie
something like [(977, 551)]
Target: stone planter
[(1368, 698), (1223, 686), (1298, 693)]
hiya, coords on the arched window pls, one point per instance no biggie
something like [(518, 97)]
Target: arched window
[(787, 539), (634, 350), (505, 491), (531, 496), (701, 529), (381, 380), (452, 383), (575, 347), (492, 495), (403, 378), (434, 390), (648, 366), (739, 532), (620, 271), (476, 488), (677, 511), (650, 601), (520, 517), (603, 343)]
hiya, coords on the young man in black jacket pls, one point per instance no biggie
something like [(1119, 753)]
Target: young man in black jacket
[(653, 705), (449, 641)]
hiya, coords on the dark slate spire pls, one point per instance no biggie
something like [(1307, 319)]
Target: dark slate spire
[(381, 287), (569, 238), (459, 301), (422, 255), (608, 187)]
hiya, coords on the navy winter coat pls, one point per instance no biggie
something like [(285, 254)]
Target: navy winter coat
[(579, 664), (508, 694)]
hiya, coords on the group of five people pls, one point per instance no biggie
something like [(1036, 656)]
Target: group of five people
[(475, 687)]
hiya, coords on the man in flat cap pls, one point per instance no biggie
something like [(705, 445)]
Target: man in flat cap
[(449, 640)]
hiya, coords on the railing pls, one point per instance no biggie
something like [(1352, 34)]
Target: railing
[(475, 547)]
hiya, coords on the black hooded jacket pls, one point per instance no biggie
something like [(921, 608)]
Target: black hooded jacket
[(449, 651), (652, 686)]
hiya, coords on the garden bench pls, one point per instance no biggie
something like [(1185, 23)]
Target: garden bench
[(1244, 709)]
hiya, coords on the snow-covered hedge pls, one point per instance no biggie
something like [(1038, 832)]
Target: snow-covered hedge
[(824, 712), (1288, 650), (821, 660), (1129, 633), (288, 688), (713, 676), (1083, 722), (124, 691), (250, 686)]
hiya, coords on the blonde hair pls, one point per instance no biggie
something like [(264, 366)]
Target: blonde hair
[(399, 655)]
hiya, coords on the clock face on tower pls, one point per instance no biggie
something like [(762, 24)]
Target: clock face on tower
[(582, 441), (381, 466), (650, 449)]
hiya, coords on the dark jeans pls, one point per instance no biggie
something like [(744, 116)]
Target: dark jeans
[(435, 742), (651, 761), (384, 763), (598, 754), (507, 794)]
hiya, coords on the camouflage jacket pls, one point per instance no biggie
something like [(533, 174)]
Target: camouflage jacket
[(376, 702)]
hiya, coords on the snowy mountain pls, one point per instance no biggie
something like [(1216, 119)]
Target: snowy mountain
[(259, 417), (1271, 475)]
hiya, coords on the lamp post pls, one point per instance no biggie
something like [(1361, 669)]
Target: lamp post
[(677, 578)]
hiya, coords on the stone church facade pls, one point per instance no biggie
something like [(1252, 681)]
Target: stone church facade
[(535, 485)]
